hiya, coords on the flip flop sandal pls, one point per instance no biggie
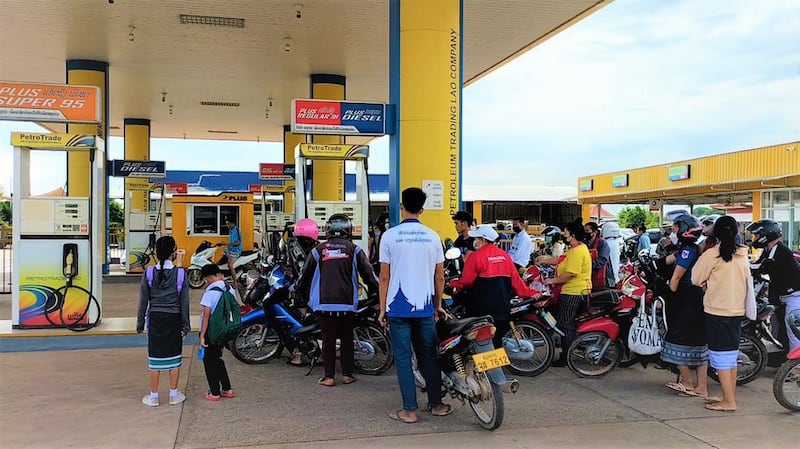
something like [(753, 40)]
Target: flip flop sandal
[(716, 408), (327, 381), (446, 412), (395, 415), (681, 388), (347, 379), (210, 397)]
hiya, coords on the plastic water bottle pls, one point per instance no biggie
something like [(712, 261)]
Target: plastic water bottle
[(201, 352)]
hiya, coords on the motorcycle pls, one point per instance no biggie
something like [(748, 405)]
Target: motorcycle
[(786, 384), (471, 368), (528, 342), (267, 329), (244, 267)]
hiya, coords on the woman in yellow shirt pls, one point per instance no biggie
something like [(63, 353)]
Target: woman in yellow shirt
[(574, 274)]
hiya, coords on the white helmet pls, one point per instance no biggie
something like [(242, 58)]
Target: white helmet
[(611, 230)]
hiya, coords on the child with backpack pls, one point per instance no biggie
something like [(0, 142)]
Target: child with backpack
[(164, 307), (220, 320)]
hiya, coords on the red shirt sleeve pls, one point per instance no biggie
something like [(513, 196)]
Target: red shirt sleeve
[(521, 290), (471, 270)]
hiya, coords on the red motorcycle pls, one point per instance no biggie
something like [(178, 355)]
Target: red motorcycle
[(786, 385)]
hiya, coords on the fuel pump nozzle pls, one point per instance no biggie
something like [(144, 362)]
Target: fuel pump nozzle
[(70, 265)]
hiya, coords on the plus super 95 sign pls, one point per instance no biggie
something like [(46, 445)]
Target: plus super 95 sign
[(338, 117)]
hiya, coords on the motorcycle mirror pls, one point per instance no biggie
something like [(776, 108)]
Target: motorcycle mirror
[(452, 254)]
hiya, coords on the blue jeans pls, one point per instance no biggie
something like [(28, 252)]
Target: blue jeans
[(421, 333)]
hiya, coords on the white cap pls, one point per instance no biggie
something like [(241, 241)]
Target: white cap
[(485, 232)]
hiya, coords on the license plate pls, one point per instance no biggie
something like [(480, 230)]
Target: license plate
[(551, 320), (485, 361)]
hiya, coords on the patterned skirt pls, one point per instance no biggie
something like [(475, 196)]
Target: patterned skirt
[(684, 355), (164, 341)]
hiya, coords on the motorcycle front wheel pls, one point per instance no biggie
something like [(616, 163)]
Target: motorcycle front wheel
[(593, 354), (530, 351), (195, 279), (488, 407), (786, 385), (751, 361), (373, 349), (251, 346)]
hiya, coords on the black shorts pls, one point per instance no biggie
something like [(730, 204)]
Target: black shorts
[(723, 332)]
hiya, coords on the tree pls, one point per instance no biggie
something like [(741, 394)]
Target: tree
[(5, 212), (115, 213), (702, 210), (630, 216)]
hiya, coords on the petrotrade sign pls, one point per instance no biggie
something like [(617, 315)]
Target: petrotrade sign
[(138, 169), (679, 172), (57, 103), (56, 141), (338, 117), (333, 151)]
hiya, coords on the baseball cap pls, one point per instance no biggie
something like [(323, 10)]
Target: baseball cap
[(463, 216), (485, 232)]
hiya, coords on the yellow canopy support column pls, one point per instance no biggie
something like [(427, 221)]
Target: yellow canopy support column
[(757, 205), (328, 176), (290, 141), (425, 80), (136, 134), (586, 212), (86, 72)]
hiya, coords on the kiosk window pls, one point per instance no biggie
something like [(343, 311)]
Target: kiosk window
[(210, 220)]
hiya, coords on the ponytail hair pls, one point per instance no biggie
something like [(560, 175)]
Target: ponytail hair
[(165, 246), (725, 230)]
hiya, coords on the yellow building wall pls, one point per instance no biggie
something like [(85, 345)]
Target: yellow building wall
[(181, 204), (759, 168)]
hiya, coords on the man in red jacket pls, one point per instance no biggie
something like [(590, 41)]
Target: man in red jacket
[(492, 280)]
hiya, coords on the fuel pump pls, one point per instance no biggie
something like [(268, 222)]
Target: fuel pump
[(57, 271), (144, 225), (273, 218), (319, 211)]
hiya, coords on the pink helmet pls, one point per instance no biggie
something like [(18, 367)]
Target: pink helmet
[(306, 228)]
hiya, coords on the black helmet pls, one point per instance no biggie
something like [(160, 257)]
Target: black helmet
[(551, 231), (339, 225), (689, 228), (767, 230)]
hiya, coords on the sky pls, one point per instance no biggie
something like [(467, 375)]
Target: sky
[(635, 84)]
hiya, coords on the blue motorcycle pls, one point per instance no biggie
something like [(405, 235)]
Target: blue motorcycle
[(276, 325)]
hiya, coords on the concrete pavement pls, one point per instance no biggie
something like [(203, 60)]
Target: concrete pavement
[(91, 399)]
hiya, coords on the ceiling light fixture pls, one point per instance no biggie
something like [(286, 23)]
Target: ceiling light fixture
[(287, 44), (270, 101), (222, 132), (131, 36), (298, 11), (230, 22), (229, 104), (171, 107), (163, 96)]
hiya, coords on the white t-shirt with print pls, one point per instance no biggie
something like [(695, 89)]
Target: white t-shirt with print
[(412, 250)]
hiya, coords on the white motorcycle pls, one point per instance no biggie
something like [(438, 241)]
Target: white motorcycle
[(245, 266)]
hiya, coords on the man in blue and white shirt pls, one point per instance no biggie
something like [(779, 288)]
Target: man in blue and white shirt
[(521, 245), (411, 287)]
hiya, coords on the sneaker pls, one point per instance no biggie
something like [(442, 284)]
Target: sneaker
[(177, 399), (150, 401)]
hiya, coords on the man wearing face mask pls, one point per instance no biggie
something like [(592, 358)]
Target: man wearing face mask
[(492, 280), (602, 273), (521, 245)]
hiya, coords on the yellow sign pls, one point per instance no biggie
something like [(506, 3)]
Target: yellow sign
[(286, 186), (135, 184), (45, 140), (333, 151), (58, 103)]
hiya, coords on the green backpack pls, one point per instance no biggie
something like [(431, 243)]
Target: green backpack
[(226, 319)]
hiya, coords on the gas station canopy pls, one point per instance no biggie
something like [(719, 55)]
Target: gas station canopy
[(210, 70)]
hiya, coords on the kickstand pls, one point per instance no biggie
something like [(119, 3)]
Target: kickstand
[(311, 364)]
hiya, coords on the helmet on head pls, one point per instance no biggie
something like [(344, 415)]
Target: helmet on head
[(767, 230), (689, 229), (708, 223), (610, 230), (339, 225), (551, 231), (306, 228)]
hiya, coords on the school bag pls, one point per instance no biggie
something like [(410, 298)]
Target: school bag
[(226, 319), (149, 276)]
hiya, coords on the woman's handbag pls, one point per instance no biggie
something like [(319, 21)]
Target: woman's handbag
[(750, 306), (645, 336)]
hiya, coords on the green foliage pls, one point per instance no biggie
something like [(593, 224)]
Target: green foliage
[(115, 213), (5, 212), (702, 210), (630, 216)]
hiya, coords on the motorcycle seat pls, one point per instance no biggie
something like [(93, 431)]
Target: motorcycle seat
[(604, 297), (453, 327), (305, 330)]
